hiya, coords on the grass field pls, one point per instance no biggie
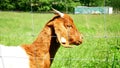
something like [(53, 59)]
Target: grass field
[(100, 49)]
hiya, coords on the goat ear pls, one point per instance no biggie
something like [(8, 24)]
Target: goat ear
[(62, 34)]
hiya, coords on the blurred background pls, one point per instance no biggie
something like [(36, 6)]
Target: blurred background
[(98, 20), (63, 5)]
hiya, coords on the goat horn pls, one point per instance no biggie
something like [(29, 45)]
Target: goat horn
[(58, 12)]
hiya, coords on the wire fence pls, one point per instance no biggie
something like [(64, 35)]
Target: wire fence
[(107, 45)]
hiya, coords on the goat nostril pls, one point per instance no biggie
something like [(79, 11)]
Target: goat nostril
[(63, 42)]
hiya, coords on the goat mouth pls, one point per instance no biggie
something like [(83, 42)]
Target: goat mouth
[(79, 42), (75, 44)]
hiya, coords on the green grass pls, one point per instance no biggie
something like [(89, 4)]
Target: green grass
[(100, 48)]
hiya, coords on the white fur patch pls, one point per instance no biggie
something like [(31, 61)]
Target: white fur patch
[(13, 57), (63, 40)]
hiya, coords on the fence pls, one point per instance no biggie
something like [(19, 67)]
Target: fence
[(100, 49)]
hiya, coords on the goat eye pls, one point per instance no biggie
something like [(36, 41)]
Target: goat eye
[(69, 26)]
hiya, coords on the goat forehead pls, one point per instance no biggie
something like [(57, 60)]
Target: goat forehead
[(67, 17), (68, 20)]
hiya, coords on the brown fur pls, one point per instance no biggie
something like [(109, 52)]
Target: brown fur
[(42, 51)]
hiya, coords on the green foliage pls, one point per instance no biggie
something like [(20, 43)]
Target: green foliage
[(114, 3), (92, 2), (5, 5), (45, 5)]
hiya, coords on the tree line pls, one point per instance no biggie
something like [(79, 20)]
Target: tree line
[(62, 5)]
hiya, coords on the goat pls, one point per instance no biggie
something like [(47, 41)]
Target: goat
[(60, 30)]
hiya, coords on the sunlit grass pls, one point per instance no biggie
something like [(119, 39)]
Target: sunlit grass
[(101, 44)]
